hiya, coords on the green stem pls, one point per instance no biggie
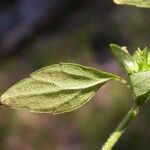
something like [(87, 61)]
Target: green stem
[(114, 137)]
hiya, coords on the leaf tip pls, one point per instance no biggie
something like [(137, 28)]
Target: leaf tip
[(117, 2), (114, 47), (4, 104)]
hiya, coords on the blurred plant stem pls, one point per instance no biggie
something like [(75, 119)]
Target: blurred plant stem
[(114, 137)]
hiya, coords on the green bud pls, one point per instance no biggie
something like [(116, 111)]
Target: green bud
[(137, 67)]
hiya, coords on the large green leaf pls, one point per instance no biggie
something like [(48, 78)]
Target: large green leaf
[(56, 89), (138, 3)]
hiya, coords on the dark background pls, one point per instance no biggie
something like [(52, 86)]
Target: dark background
[(37, 33)]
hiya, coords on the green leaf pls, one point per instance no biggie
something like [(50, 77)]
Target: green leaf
[(124, 58), (138, 3), (142, 58), (141, 86), (56, 89)]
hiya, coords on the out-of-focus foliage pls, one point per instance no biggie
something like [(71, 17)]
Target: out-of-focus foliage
[(79, 33), (138, 3)]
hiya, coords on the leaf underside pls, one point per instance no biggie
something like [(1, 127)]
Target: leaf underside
[(141, 83), (138, 3), (56, 89)]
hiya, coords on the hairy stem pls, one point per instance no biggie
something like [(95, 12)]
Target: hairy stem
[(114, 137)]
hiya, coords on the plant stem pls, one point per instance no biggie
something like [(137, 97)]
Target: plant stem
[(114, 137)]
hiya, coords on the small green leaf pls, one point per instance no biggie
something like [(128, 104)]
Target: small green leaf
[(124, 58), (138, 3), (142, 58), (56, 89), (141, 85)]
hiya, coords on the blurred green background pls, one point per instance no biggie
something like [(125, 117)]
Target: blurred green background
[(37, 33)]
